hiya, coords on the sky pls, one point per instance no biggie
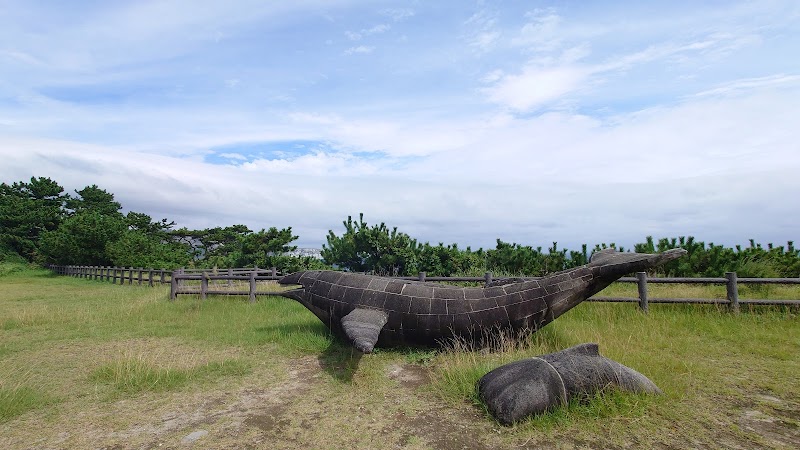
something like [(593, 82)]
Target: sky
[(455, 121)]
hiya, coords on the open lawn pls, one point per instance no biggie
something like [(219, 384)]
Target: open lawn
[(87, 364)]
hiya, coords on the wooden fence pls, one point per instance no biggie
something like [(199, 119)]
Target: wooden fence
[(113, 274), (251, 276)]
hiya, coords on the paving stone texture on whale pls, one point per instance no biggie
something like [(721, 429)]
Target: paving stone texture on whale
[(370, 310)]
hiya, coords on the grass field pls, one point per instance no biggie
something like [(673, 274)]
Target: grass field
[(87, 364)]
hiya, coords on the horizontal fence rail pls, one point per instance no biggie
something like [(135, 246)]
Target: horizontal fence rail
[(251, 276)]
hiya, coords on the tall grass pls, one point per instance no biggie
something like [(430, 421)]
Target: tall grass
[(17, 398), (131, 375)]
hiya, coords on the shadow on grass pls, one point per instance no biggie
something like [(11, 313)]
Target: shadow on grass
[(340, 361), (307, 337)]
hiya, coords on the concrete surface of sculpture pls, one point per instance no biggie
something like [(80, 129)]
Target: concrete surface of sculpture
[(534, 385), (371, 310)]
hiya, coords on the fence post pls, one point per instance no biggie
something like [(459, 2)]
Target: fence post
[(422, 276), (253, 286), (733, 291), (173, 286), (641, 281), (487, 277), (161, 276), (150, 278), (274, 272), (141, 275), (230, 274), (203, 286)]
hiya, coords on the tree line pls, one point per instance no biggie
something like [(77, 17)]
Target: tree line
[(42, 224)]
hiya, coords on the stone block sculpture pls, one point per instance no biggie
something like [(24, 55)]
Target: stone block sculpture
[(531, 386), (371, 310)]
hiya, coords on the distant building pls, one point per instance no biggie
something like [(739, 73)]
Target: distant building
[(306, 252)]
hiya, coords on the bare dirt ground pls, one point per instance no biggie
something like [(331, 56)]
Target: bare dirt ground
[(307, 402)]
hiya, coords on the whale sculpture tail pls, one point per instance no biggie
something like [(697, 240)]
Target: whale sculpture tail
[(534, 385)]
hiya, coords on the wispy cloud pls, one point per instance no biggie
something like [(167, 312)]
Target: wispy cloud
[(541, 32), (364, 32), (481, 31), (398, 14), (360, 49), (748, 84), (233, 156)]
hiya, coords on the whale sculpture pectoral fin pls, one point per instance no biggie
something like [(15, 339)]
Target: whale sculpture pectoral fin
[(363, 326)]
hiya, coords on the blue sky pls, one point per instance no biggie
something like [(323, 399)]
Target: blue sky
[(455, 121)]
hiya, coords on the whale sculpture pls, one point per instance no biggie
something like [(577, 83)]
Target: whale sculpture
[(534, 385), (371, 310)]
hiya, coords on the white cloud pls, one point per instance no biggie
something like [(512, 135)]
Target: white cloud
[(537, 86), (398, 14), (494, 75), (358, 35), (233, 156), (316, 164), (363, 49), (481, 31), (542, 33), (546, 80), (485, 40), (748, 84)]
